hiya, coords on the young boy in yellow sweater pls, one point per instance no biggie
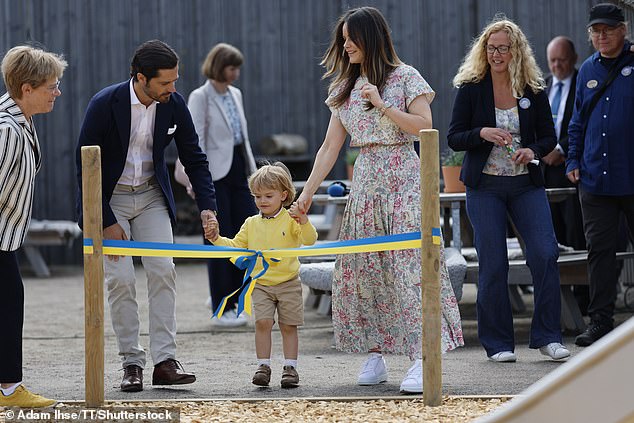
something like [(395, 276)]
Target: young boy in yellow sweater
[(279, 288)]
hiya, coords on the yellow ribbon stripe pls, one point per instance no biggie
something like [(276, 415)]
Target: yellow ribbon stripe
[(435, 236), (248, 257)]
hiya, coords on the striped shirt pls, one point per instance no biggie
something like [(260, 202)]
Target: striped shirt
[(20, 160)]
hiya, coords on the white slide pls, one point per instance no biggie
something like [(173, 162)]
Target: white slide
[(596, 385)]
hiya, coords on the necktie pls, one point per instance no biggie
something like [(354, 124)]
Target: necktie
[(554, 106)]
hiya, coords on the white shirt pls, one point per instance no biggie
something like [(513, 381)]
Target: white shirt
[(565, 89), (139, 166)]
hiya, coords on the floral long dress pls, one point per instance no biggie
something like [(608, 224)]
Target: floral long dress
[(376, 297)]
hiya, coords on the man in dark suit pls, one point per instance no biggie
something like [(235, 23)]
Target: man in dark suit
[(567, 218), (560, 86), (133, 122)]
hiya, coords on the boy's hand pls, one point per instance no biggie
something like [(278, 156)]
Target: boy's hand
[(297, 214), (210, 225)]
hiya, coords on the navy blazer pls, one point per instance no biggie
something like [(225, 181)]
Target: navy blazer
[(555, 176), (107, 124), (570, 105), (474, 109)]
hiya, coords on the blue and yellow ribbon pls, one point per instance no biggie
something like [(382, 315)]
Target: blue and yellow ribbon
[(435, 236), (247, 258)]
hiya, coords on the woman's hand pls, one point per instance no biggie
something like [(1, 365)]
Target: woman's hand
[(371, 93), (303, 203), (523, 156), (298, 215), (497, 136)]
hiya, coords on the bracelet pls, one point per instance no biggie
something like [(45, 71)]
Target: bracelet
[(384, 108)]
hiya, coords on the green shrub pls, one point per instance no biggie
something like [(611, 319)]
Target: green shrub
[(452, 158)]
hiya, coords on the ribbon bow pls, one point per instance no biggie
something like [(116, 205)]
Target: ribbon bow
[(247, 263)]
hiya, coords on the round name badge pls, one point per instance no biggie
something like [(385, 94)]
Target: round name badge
[(626, 71), (592, 83), (525, 103)]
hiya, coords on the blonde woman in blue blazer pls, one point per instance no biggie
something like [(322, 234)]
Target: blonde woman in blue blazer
[(502, 120), (218, 114)]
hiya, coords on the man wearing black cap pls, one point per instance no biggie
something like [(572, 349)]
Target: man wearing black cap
[(601, 157)]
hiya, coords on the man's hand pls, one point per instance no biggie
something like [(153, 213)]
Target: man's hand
[(573, 176), (211, 230), (210, 225), (114, 232), (554, 158)]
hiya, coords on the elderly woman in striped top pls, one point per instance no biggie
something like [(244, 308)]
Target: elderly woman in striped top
[(31, 76)]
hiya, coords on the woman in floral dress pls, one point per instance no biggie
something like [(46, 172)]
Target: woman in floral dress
[(382, 104)]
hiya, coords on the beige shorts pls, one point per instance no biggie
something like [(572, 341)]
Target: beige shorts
[(286, 298)]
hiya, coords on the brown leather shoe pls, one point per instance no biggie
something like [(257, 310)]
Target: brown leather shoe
[(171, 372), (290, 378), (262, 375), (132, 378)]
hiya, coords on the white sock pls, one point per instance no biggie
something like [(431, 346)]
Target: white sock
[(10, 390), (265, 361), (288, 362)]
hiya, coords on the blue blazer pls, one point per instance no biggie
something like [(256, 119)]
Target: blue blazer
[(474, 108), (107, 124)]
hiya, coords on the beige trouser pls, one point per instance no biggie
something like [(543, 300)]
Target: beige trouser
[(142, 213)]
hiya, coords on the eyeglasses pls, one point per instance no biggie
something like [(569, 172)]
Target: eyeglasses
[(53, 88), (607, 31), (500, 49)]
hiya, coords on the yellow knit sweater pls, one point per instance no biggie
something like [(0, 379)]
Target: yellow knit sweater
[(258, 233)]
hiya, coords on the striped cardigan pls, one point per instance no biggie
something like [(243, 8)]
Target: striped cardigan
[(20, 160)]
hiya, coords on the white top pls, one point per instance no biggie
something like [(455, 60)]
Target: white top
[(139, 166)]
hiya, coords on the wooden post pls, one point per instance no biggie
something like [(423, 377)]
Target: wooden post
[(93, 275), (430, 263)]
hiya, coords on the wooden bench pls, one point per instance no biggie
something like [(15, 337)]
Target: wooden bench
[(47, 233), (573, 270)]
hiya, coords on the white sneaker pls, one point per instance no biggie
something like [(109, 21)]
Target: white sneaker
[(413, 381), (504, 357), (555, 350), (374, 370), (230, 319)]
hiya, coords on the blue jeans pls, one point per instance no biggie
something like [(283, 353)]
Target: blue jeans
[(527, 205)]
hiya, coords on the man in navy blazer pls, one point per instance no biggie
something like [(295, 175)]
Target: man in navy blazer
[(133, 122)]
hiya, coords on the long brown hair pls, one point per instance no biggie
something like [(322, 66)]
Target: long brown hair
[(368, 29)]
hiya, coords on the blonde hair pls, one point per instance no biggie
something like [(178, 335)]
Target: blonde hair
[(523, 69), (218, 58), (274, 176), (30, 65)]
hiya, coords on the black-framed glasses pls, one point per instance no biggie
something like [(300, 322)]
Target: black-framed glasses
[(500, 49)]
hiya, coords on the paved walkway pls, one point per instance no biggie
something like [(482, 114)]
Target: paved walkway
[(224, 360)]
